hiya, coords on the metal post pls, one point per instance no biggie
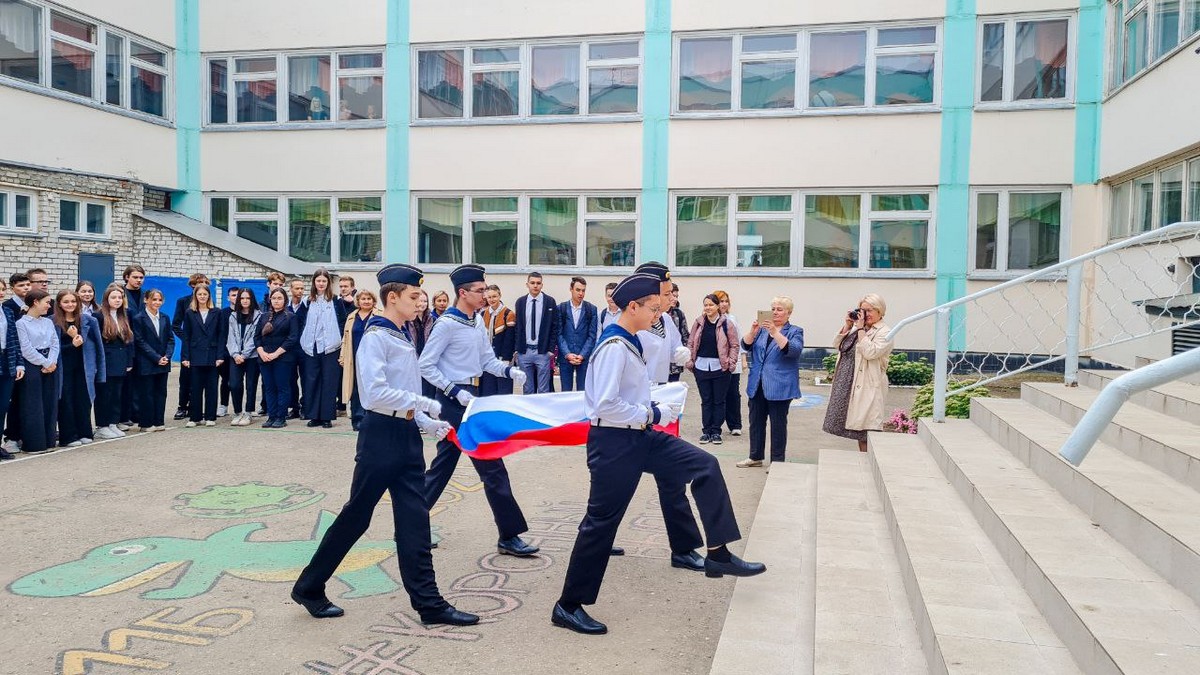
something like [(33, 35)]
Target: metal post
[(1074, 320), (941, 358)]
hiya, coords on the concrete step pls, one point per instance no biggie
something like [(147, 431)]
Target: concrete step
[(1114, 613), (863, 622), (769, 626), (1178, 399), (1144, 509), (1167, 443), (970, 611)]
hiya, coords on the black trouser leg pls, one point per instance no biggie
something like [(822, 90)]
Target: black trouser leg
[(683, 534), (185, 387), (758, 424), (733, 402), (223, 375), (108, 401), (204, 394), (778, 413)]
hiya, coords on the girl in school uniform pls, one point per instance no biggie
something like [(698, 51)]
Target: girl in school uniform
[(276, 336), (12, 368), (225, 385), (420, 328), (321, 341), (243, 356), (86, 292), (117, 336), (81, 353), (351, 337), (39, 353), (154, 343), (203, 350)]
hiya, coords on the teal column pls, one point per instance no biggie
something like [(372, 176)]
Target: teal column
[(397, 88), (1089, 88), (656, 114), (954, 180), (188, 86)]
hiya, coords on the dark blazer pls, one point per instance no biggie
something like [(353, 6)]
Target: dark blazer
[(548, 325), (12, 306), (203, 341), (118, 354), (579, 339), (12, 350), (181, 308), (777, 369), (284, 333), (151, 346), (135, 302)]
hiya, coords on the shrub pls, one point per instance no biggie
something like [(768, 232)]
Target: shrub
[(901, 371), (957, 404), (829, 362)]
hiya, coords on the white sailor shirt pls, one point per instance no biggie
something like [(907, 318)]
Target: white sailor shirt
[(659, 351), (386, 368), (458, 351), (617, 391)]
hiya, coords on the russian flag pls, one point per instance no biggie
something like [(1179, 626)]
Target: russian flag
[(497, 426)]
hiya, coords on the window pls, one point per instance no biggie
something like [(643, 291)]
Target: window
[(316, 229), (82, 218), (537, 230), (1157, 199), (1025, 60), (1018, 229), (1145, 31), (798, 230), (808, 69), (17, 212), (320, 88), (1193, 192), (67, 53), (563, 80)]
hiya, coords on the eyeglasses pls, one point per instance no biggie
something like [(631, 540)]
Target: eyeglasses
[(481, 291)]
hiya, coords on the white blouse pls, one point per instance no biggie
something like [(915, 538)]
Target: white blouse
[(35, 335)]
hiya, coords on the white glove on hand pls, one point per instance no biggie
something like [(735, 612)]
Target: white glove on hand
[(668, 412), (429, 406), (681, 356), (436, 428), (464, 397), (518, 377)]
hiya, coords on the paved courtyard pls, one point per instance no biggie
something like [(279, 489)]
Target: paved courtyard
[(174, 552)]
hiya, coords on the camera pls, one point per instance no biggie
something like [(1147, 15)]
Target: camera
[(854, 314)]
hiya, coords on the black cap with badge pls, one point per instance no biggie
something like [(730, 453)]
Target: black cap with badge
[(399, 273)]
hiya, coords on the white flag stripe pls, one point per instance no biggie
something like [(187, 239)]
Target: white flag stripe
[(560, 408)]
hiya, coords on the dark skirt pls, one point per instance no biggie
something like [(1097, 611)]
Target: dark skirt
[(843, 387)]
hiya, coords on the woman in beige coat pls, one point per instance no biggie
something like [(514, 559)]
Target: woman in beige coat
[(352, 334), (860, 383)]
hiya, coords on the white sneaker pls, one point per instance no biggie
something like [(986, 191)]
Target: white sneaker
[(209, 423), (237, 420), (74, 444), (122, 427), (158, 428), (85, 441), (10, 446), (103, 434), (190, 424), (117, 431), (222, 411)]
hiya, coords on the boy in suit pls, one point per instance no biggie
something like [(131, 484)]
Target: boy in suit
[(578, 323)]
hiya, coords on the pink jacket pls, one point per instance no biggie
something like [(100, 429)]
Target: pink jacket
[(727, 342)]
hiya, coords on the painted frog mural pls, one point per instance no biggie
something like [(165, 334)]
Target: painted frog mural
[(247, 500)]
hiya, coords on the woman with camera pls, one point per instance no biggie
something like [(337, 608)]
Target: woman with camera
[(774, 380), (860, 382)]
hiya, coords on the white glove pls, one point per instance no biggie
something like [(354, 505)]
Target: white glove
[(518, 377), (436, 428), (668, 412), (429, 406), (464, 397), (681, 356)]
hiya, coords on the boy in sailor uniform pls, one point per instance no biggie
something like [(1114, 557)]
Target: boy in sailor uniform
[(456, 355), (622, 445), (389, 458)]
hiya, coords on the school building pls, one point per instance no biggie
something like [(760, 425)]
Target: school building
[(919, 149)]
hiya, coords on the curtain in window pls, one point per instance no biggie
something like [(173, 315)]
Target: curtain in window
[(705, 74)]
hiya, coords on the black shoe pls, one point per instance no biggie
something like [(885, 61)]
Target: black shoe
[(181, 413), (715, 439), (321, 608), (687, 561), (617, 550), (280, 423), (327, 425), (269, 424), (736, 567), (294, 415), (4, 454), (313, 423), (354, 427), (515, 546), (704, 438), (578, 621), (452, 617), (38, 452)]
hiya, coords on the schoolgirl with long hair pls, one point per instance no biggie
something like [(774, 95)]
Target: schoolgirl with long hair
[(117, 335), (276, 337), (155, 344), (203, 350), (243, 356), (322, 320), (81, 353)]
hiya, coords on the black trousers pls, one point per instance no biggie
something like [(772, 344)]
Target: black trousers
[(39, 409), (733, 402), (389, 459), (243, 384), (204, 394), (322, 379), (6, 390), (129, 406), (616, 459), (152, 398), (496, 487), (12, 423), (760, 411), (108, 400), (490, 385), (296, 375), (185, 387), (74, 407), (714, 392), (223, 377)]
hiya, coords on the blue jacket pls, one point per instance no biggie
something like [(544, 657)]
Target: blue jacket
[(151, 346), (118, 354), (12, 346), (777, 369), (94, 363), (285, 332), (203, 340), (579, 339)]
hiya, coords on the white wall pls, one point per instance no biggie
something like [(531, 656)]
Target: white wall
[(1019, 6), (439, 21), (293, 161), (154, 20), (825, 151), (1030, 147), (1153, 117), (84, 139), (239, 25), (716, 14), (527, 156)]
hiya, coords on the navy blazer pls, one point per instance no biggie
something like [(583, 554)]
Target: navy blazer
[(579, 339), (11, 357), (151, 346), (203, 340), (339, 311), (777, 369), (285, 332), (547, 341), (181, 308), (118, 354)]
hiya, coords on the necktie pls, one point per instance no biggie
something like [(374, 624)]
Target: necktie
[(533, 317)]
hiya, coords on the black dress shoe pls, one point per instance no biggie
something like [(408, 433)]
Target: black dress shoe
[(269, 424), (326, 425), (452, 617), (294, 415), (736, 567), (181, 413), (4, 454), (578, 621), (515, 546), (688, 561), (320, 608), (617, 550), (280, 423), (313, 423)]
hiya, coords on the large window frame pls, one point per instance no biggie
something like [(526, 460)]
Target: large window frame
[(1001, 270), (100, 53), (1007, 100), (524, 68), (802, 58), (282, 79), (83, 208), (8, 212), (470, 213), (281, 216), (1124, 202), (1123, 16), (796, 215)]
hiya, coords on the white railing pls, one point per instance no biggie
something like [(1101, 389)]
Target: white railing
[(1126, 291)]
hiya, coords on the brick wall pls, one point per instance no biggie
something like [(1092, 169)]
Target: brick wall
[(165, 252)]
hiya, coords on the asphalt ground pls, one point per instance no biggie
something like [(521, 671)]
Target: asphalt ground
[(175, 551)]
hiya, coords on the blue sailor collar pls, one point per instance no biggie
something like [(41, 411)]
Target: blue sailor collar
[(614, 330), (458, 315)]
